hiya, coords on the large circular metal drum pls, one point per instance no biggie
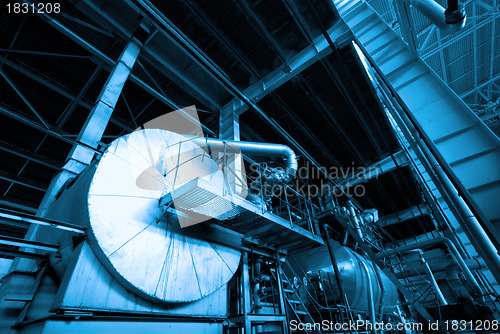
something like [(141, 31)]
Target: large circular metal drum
[(131, 233), (356, 273)]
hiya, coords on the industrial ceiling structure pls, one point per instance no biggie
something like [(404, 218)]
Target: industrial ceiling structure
[(399, 115), (466, 60)]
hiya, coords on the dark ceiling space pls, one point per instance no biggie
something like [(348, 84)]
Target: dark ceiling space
[(331, 109)]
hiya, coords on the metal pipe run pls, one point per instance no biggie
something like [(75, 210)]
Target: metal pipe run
[(257, 277), (331, 251), (432, 279), (472, 223), (473, 264), (357, 224), (452, 19), (373, 256), (31, 219), (371, 304), (253, 148), (434, 242)]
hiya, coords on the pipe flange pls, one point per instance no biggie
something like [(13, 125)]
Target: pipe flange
[(455, 16)]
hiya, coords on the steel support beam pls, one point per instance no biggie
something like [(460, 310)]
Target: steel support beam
[(405, 19), (480, 86), (108, 61), (27, 218), (56, 87), (31, 156), (25, 100), (433, 243), (22, 181), (318, 50), (432, 29), (229, 129), (165, 26), (229, 123), (473, 264), (492, 56), (441, 57), (404, 215), (474, 51), (460, 36), (28, 255), (392, 162), (82, 153), (7, 202), (16, 242)]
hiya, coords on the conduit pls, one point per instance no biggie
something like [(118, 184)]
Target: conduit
[(253, 148), (435, 242), (451, 20)]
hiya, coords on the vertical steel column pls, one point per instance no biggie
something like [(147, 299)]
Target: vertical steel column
[(83, 151), (229, 129), (245, 293)]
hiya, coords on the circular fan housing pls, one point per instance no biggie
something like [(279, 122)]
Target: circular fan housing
[(142, 246)]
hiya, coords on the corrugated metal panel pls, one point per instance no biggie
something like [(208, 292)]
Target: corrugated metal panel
[(434, 62), (420, 21), (92, 287), (464, 84), (459, 67)]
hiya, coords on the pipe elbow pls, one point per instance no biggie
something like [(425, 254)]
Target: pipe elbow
[(450, 20), (455, 19), (291, 160)]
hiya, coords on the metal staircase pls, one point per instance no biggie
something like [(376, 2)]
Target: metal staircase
[(444, 118), (295, 307), (484, 276)]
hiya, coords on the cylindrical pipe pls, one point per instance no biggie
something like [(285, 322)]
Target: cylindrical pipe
[(357, 224), (256, 281), (331, 251), (432, 279), (473, 264), (252, 148), (371, 304), (434, 242), (451, 19), (472, 227)]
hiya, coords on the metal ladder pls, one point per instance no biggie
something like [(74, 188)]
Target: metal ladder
[(444, 118), (296, 308)]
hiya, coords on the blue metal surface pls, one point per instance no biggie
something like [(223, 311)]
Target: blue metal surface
[(470, 150)]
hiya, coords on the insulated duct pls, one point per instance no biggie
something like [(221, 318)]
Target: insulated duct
[(252, 149), (451, 20)]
